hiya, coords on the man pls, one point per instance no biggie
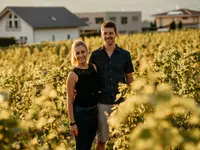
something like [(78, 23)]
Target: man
[(114, 66)]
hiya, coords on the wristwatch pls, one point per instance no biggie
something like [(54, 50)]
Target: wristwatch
[(72, 123)]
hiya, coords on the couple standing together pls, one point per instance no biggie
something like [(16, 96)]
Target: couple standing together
[(96, 86)]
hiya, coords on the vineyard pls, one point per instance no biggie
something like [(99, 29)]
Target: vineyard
[(161, 111)]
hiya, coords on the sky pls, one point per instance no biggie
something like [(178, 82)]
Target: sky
[(147, 7)]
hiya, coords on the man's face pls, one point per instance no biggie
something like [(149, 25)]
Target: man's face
[(108, 35)]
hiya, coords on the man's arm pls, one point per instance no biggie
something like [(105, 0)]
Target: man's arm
[(129, 70), (129, 78)]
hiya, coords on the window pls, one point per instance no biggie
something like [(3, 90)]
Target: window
[(23, 40), (196, 19), (13, 23), (124, 20), (10, 20), (53, 18), (174, 19), (133, 31), (112, 19), (10, 23), (99, 20), (68, 36), (85, 19), (135, 18), (53, 37), (185, 18), (122, 31), (16, 24), (175, 13)]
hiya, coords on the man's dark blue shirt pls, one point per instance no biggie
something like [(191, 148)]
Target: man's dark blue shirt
[(111, 71)]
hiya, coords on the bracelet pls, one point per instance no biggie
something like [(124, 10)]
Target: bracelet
[(72, 123)]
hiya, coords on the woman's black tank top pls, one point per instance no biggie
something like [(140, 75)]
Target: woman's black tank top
[(86, 87)]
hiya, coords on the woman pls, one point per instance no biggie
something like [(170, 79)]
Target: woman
[(82, 104)]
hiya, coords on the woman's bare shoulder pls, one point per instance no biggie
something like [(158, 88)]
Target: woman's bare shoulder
[(72, 76)]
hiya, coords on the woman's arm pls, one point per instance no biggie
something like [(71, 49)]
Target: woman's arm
[(71, 81)]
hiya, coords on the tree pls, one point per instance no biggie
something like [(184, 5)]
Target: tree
[(153, 25), (180, 25), (173, 25)]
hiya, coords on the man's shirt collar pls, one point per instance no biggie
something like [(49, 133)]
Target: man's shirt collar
[(117, 48)]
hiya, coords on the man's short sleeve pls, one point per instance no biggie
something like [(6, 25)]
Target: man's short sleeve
[(129, 65)]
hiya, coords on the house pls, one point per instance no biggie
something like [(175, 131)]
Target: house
[(36, 24), (126, 22), (146, 26), (189, 18)]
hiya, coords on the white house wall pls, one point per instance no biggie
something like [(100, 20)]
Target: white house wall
[(25, 30), (168, 20), (130, 27), (55, 34)]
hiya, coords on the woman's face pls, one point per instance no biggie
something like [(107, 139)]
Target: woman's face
[(81, 54)]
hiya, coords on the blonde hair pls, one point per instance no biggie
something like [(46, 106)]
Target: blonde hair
[(75, 44)]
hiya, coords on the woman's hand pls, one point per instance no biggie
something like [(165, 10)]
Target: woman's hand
[(74, 130)]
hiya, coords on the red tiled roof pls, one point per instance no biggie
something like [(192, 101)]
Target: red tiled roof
[(183, 10)]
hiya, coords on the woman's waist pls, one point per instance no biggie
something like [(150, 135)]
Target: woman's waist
[(86, 94), (85, 101), (85, 111)]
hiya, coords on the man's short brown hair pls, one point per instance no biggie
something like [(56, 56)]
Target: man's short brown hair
[(109, 24)]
